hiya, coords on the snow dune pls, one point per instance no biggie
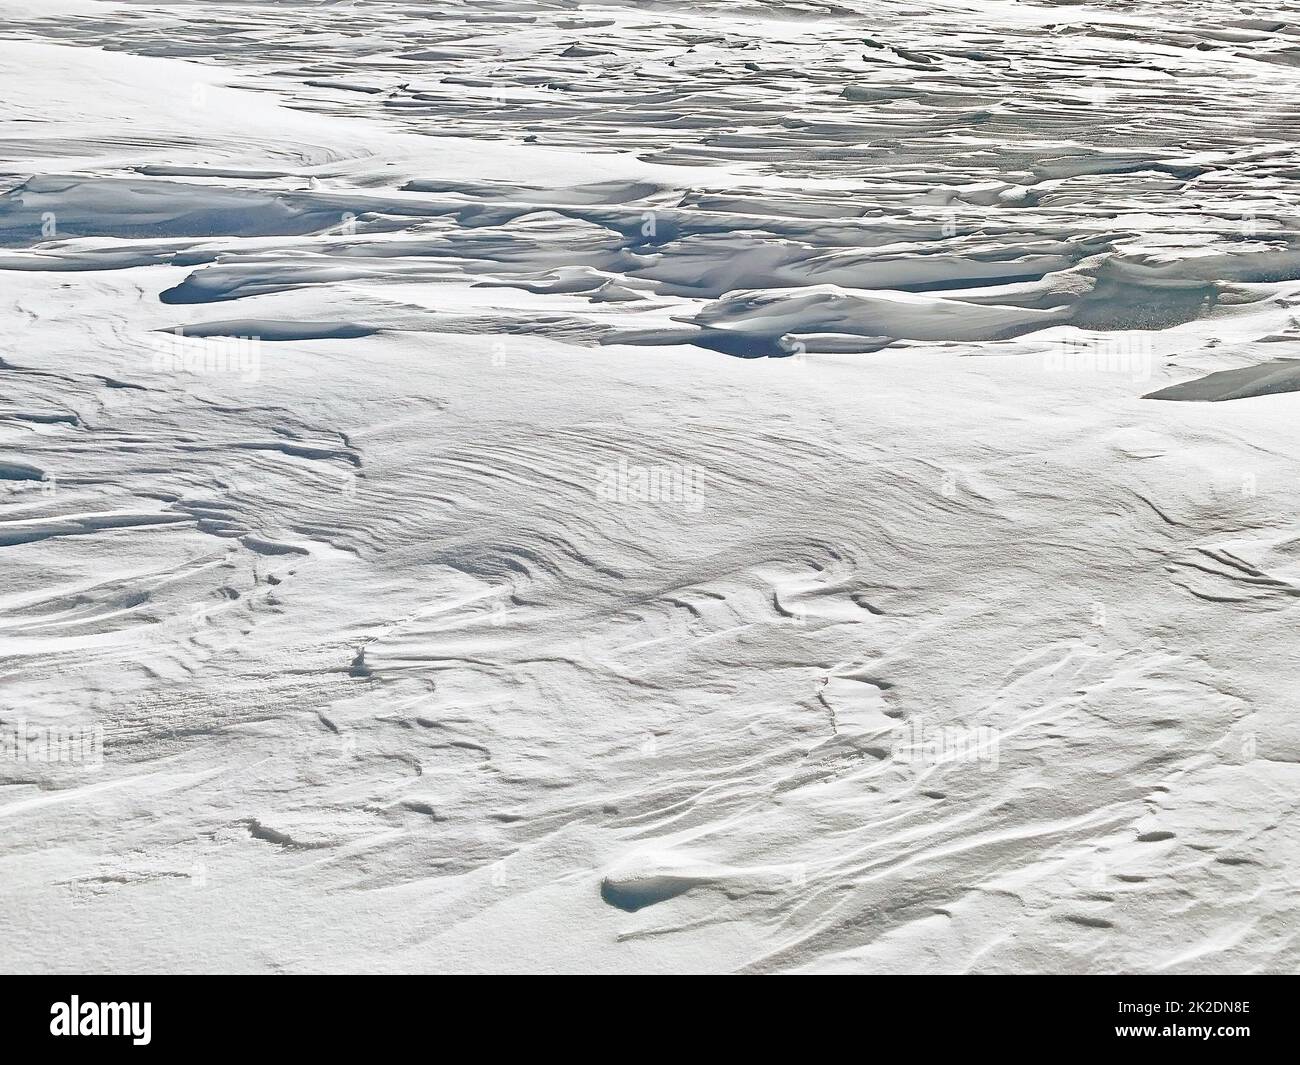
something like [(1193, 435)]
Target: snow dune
[(670, 487)]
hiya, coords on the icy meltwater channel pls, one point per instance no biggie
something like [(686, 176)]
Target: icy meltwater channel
[(648, 487)]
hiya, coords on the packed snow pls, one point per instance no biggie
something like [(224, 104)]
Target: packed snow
[(536, 486)]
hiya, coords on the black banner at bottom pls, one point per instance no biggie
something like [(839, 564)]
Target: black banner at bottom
[(142, 1014)]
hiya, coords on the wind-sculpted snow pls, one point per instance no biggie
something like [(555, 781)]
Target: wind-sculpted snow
[(648, 487)]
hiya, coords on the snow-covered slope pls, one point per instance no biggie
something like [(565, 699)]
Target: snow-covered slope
[(524, 486)]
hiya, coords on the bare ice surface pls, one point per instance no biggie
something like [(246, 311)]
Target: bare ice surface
[(520, 485)]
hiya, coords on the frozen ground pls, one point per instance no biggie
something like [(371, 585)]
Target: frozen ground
[(688, 497)]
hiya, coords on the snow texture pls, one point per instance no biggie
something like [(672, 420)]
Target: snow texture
[(520, 485)]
